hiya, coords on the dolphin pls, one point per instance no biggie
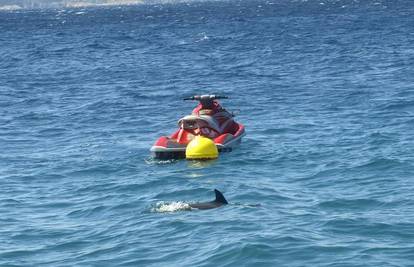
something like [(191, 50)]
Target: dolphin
[(219, 201)]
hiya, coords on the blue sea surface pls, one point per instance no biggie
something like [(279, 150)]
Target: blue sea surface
[(324, 88)]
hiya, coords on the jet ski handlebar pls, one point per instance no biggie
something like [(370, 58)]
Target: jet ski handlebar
[(203, 98)]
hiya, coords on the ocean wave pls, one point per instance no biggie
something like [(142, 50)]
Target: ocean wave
[(327, 155), (399, 105), (378, 164), (350, 204)]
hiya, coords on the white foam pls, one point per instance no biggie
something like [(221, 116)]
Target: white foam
[(39, 4), (170, 206), (103, 3), (153, 161), (10, 7)]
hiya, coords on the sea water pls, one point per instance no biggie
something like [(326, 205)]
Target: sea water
[(323, 177)]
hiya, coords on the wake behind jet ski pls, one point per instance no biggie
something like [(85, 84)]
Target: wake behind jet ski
[(209, 119)]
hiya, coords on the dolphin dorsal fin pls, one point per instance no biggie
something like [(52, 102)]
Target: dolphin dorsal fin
[(219, 197)]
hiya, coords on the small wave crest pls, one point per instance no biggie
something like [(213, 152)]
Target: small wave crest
[(10, 7), (153, 161), (77, 4), (161, 207)]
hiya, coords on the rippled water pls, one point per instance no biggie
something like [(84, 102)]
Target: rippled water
[(324, 88)]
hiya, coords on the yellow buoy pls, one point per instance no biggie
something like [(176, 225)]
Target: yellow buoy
[(201, 148)]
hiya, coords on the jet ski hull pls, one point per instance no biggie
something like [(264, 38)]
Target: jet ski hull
[(167, 148)]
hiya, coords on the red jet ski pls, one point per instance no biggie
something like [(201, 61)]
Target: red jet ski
[(208, 119)]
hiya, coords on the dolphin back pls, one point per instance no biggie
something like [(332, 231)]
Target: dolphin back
[(219, 201), (219, 197)]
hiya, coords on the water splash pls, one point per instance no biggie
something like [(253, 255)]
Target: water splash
[(162, 207)]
